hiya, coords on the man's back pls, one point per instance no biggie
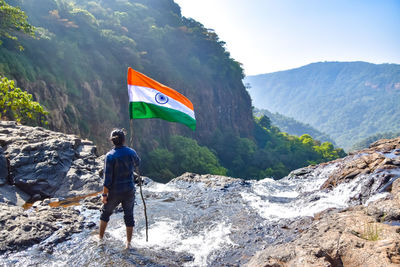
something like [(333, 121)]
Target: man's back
[(119, 166)]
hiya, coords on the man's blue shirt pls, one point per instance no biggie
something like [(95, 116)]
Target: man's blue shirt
[(118, 169)]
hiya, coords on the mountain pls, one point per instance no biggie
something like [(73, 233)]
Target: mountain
[(291, 126), (347, 100)]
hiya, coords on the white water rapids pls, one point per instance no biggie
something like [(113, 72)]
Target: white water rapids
[(191, 224)]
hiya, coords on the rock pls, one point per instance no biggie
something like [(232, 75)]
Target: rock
[(47, 163), (386, 145), (302, 171), (387, 210), (337, 239), (12, 195), (374, 165), (36, 204), (396, 188), (3, 168), (35, 197), (207, 179), (21, 229)]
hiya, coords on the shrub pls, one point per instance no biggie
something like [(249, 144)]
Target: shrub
[(18, 105)]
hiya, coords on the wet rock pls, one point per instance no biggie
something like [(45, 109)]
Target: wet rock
[(377, 165), (92, 203), (3, 168), (48, 163), (12, 195), (21, 229), (386, 210), (209, 180), (302, 171)]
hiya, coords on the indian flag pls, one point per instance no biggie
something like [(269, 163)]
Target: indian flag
[(151, 99)]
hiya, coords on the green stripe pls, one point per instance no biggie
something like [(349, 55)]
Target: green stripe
[(141, 110)]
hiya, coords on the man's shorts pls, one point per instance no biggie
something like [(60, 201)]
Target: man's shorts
[(127, 199)]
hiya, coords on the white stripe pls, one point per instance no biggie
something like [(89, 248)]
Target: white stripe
[(148, 95)]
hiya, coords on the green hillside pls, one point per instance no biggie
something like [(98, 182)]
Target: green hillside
[(76, 68), (347, 100), (291, 126), (365, 143)]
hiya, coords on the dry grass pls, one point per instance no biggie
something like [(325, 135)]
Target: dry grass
[(371, 231)]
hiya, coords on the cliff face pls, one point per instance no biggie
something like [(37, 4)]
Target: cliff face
[(77, 68)]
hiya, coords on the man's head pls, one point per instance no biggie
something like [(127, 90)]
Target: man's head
[(117, 136)]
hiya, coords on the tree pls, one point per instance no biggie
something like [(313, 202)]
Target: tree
[(182, 155), (12, 21), (265, 122), (18, 105)]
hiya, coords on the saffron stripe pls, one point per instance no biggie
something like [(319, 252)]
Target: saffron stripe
[(138, 79)]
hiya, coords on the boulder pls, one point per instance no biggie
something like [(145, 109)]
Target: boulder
[(47, 163)]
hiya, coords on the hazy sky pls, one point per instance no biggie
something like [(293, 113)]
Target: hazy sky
[(273, 35)]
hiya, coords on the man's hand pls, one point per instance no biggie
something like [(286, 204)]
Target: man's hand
[(104, 195), (104, 199)]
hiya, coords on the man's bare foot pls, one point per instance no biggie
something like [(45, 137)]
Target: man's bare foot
[(128, 245), (100, 242)]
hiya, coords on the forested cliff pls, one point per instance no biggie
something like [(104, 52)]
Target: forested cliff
[(77, 67)]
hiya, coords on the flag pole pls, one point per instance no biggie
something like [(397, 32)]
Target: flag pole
[(140, 183)]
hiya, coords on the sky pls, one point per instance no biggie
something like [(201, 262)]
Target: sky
[(273, 35)]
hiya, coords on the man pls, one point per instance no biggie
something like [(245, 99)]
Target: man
[(119, 185)]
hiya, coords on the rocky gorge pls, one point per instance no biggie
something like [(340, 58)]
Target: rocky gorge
[(341, 213)]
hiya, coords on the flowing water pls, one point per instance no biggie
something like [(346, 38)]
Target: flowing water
[(192, 224)]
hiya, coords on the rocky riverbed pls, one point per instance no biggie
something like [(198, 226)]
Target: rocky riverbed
[(342, 213)]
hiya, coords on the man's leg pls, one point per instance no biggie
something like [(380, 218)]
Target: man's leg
[(106, 212), (129, 231), (128, 205), (103, 226)]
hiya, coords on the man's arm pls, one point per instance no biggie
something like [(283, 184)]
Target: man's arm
[(136, 163), (107, 178), (136, 160)]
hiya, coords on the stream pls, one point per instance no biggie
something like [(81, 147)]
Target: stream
[(198, 224)]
